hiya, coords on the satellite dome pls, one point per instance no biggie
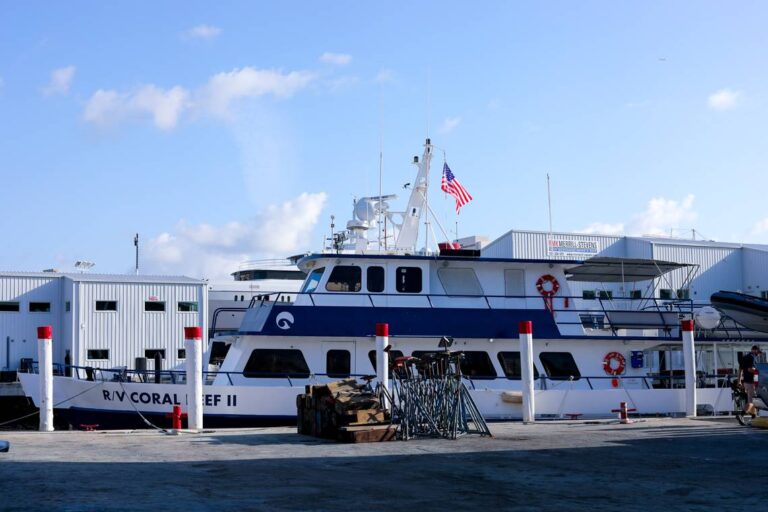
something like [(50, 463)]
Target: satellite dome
[(365, 210), (707, 317)]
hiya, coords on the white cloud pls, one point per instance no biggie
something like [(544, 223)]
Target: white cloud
[(385, 75), (724, 99), (61, 80), (213, 252), (660, 215), (203, 32), (449, 124), (760, 227), (163, 106), (337, 59)]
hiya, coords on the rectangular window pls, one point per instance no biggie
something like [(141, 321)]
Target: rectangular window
[(408, 279), (153, 305), (10, 307), (187, 307), (588, 295), (181, 353), (345, 279), (606, 294), (459, 281), (559, 365), (151, 352), (393, 354), (338, 363), (592, 321), (514, 282), (665, 293), (67, 306), (475, 364), (99, 354), (106, 305), (764, 295), (511, 366), (375, 279), (267, 363), (636, 294), (39, 307), (683, 293)]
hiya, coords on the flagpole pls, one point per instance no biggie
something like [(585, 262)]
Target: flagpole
[(549, 205)]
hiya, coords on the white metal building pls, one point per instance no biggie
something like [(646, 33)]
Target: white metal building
[(102, 321), (721, 266)]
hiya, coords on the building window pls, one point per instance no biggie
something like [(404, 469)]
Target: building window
[(188, 307), (267, 363), (106, 305), (345, 279), (408, 279), (150, 353), (39, 307), (588, 295), (153, 305), (98, 354), (67, 306), (338, 363), (511, 366), (313, 280), (559, 365), (375, 279), (665, 294), (475, 364), (9, 307), (181, 354), (459, 281), (393, 354)]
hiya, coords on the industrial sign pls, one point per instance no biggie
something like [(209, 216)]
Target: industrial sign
[(581, 248)]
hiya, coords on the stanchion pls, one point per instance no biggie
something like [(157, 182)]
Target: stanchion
[(689, 358), (45, 368), (194, 352), (526, 366), (382, 358)]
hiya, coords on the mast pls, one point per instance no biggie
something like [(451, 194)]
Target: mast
[(407, 236)]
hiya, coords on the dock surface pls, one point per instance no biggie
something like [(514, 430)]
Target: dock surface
[(661, 464)]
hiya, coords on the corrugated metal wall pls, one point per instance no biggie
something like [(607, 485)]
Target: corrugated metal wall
[(18, 330), (131, 330), (755, 262), (533, 245), (720, 268)]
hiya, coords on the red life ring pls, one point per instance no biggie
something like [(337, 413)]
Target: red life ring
[(554, 286), (608, 365)]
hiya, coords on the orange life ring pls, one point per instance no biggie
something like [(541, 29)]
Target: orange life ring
[(553, 288), (608, 366)]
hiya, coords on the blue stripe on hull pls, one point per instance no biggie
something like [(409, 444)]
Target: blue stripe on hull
[(361, 321)]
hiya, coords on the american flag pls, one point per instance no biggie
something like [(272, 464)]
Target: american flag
[(451, 185)]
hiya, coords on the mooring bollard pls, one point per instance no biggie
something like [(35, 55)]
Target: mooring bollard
[(526, 366), (624, 411), (382, 357), (193, 340), (45, 369), (689, 358)]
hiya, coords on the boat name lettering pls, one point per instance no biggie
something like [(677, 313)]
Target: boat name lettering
[(144, 397)]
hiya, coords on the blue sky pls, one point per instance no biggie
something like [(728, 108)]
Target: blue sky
[(234, 131)]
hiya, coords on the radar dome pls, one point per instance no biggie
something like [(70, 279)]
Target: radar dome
[(364, 209), (707, 317)]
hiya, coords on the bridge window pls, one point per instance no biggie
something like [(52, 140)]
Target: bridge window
[(459, 281), (559, 365), (345, 279), (588, 295), (219, 351), (665, 293), (375, 279), (514, 283), (408, 279), (266, 363), (338, 363), (511, 366), (313, 280)]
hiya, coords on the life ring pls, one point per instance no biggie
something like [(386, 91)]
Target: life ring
[(608, 365), (554, 286)]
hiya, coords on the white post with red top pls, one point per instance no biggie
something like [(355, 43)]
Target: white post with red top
[(45, 368), (382, 356), (689, 358), (526, 367), (193, 341)]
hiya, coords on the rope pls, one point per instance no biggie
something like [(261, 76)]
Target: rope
[(55, 405)]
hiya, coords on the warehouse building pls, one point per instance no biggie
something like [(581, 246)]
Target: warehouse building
[(103, 321), (716, 265)]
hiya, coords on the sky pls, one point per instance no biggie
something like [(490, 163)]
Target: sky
[(233, 131)]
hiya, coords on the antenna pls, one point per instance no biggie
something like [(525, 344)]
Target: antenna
[(549, 205), (381, 156), (136, 244), (429, 97)]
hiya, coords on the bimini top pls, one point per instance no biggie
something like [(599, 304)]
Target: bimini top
[(618, 270)]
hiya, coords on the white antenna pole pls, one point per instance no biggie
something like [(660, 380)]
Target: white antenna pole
[(381, 157), (549, 205)]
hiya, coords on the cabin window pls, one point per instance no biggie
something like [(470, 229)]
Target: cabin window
[(338, 363), (344, 278), (511, 366), (106, 305), (267, 363), (475, 364), (559, 365), (592, 321), (9, 307), (181, 353), (683, 293), (375, 279), (39, 307), (459, 281), (606, 294), (393, 354), (764, 295), (636, 294), (153, 305), (187, 307), (514, 282), (313, 280), (408, 279), (588, 295), (150, 353), (219, 351), (98, 354), (665, 293)]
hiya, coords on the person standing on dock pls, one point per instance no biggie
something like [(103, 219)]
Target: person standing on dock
[(747, 377)]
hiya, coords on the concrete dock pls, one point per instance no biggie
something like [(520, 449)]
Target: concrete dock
[(654, 464)]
